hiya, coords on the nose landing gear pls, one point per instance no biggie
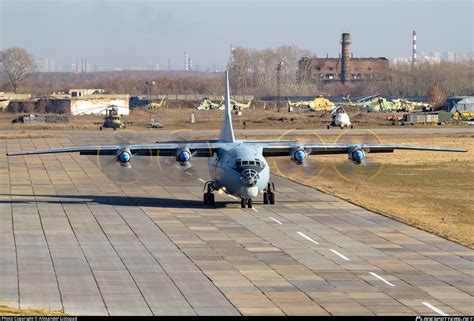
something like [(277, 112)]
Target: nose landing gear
[(208, 197), (246, 201)]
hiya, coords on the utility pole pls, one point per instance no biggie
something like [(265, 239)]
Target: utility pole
[(278, 70), (148, 84)]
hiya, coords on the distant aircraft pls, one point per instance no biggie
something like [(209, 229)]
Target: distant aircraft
[(239, 106), (206, 104), (112, 119), (376, 103), (155, 105), (340, 118), (317, 104), (236, 167)]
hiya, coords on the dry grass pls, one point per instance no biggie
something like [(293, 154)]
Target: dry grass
[(5, 310), (429, 190), (24, 135)]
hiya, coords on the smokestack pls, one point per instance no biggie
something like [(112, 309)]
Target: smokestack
[(345, 57), (77, 65), (413, 58), (186, 66)]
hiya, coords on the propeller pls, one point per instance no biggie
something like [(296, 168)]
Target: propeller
[(359, 165), (300, 164), (183, 162), (356, 165), (124, 167)]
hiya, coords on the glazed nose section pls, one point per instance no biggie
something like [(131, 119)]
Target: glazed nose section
[(249, 177)]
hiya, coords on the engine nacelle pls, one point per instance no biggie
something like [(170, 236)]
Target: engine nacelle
[(124, 156), (183, 156), (356, 156), (298, 156)]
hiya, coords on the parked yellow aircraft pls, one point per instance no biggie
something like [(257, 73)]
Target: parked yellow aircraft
[(317, 104), (155, 105), (239, 106)]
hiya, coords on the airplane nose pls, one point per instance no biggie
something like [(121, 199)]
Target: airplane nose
[(249, 177)]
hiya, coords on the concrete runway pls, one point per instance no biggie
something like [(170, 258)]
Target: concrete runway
[(94, 238)]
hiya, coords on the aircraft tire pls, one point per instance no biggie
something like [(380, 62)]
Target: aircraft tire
[(206, 199), (266, 198), (100, 128), (249, 203), (211, 199), (242, 203), (271, 198), (328, 126)]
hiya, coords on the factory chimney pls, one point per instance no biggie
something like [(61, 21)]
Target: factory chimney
[(345, 57), (186, 61), (413, 58)]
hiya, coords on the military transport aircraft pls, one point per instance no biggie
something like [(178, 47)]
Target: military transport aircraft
[(236, 167)]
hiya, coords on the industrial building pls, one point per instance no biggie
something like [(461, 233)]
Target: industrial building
[(89, 102), (344, 69)]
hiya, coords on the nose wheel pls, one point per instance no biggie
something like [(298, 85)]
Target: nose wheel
[(208, 197), (246, 202), (269, 195)]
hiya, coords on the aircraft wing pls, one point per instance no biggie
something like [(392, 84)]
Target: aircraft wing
[(284, 149), (198, 149)]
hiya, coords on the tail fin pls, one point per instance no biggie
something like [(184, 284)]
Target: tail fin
[(227, 131)]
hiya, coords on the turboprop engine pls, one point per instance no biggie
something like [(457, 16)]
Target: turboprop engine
[(298, 156), (124, 156), (183, 156), (356, 155)]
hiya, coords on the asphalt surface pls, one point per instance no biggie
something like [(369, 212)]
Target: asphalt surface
[(85, 235)]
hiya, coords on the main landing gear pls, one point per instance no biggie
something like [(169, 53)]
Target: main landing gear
[(208, 197), (269, 195)]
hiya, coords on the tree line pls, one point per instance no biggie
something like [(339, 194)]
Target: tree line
[(266, 72)]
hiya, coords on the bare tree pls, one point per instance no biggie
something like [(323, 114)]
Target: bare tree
[(16, 62), (437, 94)]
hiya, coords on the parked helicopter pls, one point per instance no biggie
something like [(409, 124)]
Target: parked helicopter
[(112, 119), (155, 105), (239, 106), (207, 104), (317, 104), (340, 118)]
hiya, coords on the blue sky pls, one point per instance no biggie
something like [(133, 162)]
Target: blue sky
[(150, 32)]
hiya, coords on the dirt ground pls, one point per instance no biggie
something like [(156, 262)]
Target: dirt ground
[(177, 117)]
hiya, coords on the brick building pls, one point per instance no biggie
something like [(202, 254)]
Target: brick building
[(343, 69)]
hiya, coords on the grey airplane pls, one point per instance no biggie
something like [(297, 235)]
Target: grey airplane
[(236, 167)]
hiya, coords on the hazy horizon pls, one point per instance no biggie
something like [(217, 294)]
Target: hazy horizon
[(151, 32)]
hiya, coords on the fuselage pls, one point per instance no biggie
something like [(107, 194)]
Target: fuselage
[(239, 169)]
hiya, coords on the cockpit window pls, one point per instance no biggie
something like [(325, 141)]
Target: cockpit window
[(245, 162), (257, 162), (238, 163), (251, 163)]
